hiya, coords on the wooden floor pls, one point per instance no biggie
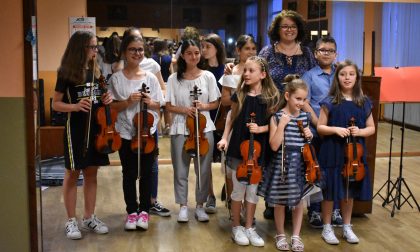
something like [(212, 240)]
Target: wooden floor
[(377, 231)]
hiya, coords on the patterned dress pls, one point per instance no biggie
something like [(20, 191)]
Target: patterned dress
[(279, 67), (331, 156), (283, 185)]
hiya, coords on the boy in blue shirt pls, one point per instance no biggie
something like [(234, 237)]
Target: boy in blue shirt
[(319, 80)]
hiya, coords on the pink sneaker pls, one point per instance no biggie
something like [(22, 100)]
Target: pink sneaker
[(131, 222), (143, 220)]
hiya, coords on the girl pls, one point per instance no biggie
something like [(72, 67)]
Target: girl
[(214, 61), (77, 93), (178, 101), (245, 48), (125, 86), (284, 180), (345, 101), (257, 94)]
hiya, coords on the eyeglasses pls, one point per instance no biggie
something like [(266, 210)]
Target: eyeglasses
[(287, 27), (92, 47), (325, 51), (134, 50)]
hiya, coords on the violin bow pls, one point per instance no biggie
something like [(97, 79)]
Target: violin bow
[(88, 122), (226, 191), (197, 144)]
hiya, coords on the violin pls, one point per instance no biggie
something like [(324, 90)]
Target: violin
[(108, 140), (353, 169), (143, 142), (313, 172), (220, 119), (248, 172), (196, 143)]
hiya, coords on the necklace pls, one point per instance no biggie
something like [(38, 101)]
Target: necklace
[(289, 58)]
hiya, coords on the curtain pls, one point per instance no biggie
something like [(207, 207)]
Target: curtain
[(347, 29), (251, 27), (400, 34)]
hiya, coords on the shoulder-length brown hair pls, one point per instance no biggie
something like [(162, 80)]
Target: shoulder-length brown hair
[(274, 30), (335, 90), (75, 62)]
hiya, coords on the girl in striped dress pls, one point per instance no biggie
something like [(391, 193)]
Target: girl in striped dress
[(284, 179)]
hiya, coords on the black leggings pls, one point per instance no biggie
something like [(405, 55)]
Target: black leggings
[(130, 171)]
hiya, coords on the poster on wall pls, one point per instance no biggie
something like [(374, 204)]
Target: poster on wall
[(82, 24)]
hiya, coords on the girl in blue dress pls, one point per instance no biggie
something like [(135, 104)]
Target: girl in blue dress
[(345, 101)]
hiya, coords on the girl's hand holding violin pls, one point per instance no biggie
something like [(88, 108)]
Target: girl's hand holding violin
[(200, 106), (307, 133), (354, 130), (146, 98), (83, 105), (106, 98), (134, 98), (342, 132), (253, 128)]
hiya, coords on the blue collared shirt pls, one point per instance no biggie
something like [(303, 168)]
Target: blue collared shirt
[(319, 83)]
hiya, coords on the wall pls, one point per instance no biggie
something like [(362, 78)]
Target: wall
[(14, 210), (147, 32), (53, 34)]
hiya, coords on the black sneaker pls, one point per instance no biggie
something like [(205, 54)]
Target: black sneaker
[(160, 210), (336, 219), (210, 207), (268, 213), (315, 220)]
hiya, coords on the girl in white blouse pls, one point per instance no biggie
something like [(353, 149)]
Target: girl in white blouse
[(180, 103)]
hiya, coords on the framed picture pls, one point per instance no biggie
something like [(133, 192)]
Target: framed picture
[(316, 9)]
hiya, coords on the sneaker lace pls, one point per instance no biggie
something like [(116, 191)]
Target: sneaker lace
[(72, 226), (315, 216), (97, 221), (329, 233), (132, 218), (336, 214), (144, 217), (158, 205), (253, 234)]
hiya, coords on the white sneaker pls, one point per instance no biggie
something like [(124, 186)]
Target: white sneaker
[(131, 221), (200, 214), (143, 220), (349, 235), (94, 224), (72, 229), (239, 236), (329, 236), (254, 238), (183, 214)]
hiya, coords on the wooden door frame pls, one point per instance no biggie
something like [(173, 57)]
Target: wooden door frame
[(29, 10)]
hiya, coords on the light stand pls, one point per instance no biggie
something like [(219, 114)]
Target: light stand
[(388, 182), (400, 180)]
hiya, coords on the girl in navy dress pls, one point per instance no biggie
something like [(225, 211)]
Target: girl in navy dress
[(345, 101), (284, 178)]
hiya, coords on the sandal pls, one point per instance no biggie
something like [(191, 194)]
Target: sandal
[(281, 242), (297, 244)]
